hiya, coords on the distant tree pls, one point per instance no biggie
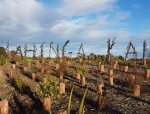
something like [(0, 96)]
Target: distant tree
[(103, 57), (120, 57), (99, 56), (92, 56), (3, 51), (12, 53), (148, 58), (88, 57), (111, 57), (95, 57)]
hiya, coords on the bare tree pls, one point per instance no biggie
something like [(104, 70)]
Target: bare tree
[(34, 50), (50, 50), (63, 50), (144, 49), (128, 48), (110, 47), (84, 56), (18, 49), (41, 46)]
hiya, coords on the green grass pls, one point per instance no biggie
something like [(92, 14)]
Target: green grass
[(127, 108)]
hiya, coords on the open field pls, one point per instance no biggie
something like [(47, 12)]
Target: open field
[(119, 100)]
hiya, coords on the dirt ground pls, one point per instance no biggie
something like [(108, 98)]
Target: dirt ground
[(26, 103)]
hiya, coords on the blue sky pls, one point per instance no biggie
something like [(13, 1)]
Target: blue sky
[(91, 22)]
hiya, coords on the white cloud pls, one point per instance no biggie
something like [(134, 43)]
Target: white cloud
[(27, 21), (85, 7), (122, 15)]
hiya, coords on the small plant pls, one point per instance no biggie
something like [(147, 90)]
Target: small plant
[(125, 63), (34, 69), (82, 70), (116, 58), (20, 84), (82, 62), (104, 95), (49, 89), (2, 60), (99, 59), (146, 68), (109, 62), (82, 102), (128, 108), (56, 61), (78, 69), (102, 63), (25, 62), (47, 61), (17, 59), (67, 58), (104, 91), (62, 67), (39, 58)]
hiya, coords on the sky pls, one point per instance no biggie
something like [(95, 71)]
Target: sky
[(91, 22)]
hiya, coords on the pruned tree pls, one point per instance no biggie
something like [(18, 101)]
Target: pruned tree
[(63, 50), (134, 52), (34, 50), (144, 48), (18, 49), (54, 50), (7, 49), (25, 50), (110, 47), (41, 46), (84, 56), (50, 50), (57, 55)]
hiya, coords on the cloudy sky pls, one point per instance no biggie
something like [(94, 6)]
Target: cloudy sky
[(91, 22)]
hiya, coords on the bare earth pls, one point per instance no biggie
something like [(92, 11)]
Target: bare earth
[(119, 100)]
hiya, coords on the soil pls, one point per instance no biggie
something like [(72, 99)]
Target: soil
[(27, 103)]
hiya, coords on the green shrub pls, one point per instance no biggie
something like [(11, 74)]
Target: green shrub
[(103, 58), (56, 61), (49, 89), (146, 68), (33, 62), (102, 63), (2, 60), (46, 60), (35, 58), (25, 62), (99, 59), (3, 52), (120, 57), (116, 58), (68, 58), (20, 84), (77, 69), (82, 70), (17, 58), (34, 69)]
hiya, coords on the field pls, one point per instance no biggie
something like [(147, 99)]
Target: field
[(119, 100)]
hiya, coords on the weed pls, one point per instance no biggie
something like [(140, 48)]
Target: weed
[(127, 108)]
